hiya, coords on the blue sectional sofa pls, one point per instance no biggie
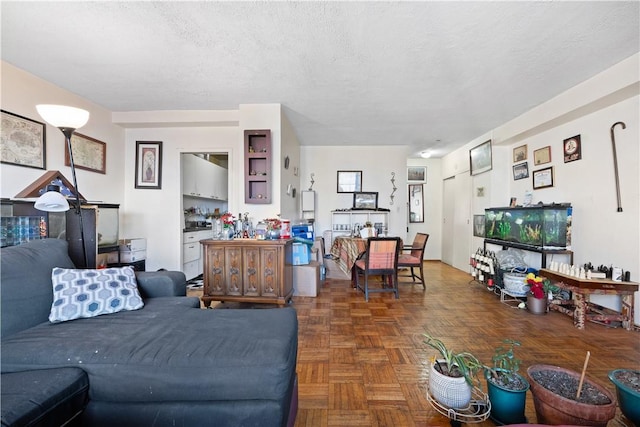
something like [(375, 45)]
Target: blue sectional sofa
[(168, 363)]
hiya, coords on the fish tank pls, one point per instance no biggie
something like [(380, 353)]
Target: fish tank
[(540, 227)]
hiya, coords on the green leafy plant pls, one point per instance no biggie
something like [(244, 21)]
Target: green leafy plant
[(505, 367), (463, 364)]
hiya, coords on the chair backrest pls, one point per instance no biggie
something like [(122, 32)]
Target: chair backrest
[(418, 245), (382, 253)]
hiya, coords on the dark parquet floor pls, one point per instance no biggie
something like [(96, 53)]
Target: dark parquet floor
[(365, 364)]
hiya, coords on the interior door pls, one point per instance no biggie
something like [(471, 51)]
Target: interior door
[(462, 227), (448, 210), (456, 227)]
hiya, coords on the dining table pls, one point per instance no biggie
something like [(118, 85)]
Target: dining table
[(346, 250)]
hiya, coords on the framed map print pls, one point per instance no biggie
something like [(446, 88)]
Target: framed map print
[(22, 141), (88, 153)]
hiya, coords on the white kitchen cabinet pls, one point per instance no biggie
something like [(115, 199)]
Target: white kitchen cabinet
[(201, 178), (192, 260)]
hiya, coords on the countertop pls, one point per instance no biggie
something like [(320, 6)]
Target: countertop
[(190, 229)]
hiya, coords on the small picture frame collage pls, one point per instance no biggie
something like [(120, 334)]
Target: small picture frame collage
[(544, 177), (521, 166)]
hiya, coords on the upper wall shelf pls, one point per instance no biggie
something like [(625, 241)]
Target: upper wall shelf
[(257, 166)]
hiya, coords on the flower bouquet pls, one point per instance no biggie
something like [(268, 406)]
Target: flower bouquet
[(539, 290)]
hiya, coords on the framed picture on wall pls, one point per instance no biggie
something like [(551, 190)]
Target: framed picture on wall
[(478, 225), (23, 141), (88, 153), (416, 174), (542, 155), (572, 149), (520, 171), (149, 164), (520, 154), (543, 178), (480, 158)]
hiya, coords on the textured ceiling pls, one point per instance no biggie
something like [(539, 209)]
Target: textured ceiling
[(431, 75)]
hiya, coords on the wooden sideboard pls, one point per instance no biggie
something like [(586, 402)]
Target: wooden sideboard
[(581, 309), (248, 270)]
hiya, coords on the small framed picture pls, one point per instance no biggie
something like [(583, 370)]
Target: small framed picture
[(365, 200), (572, 149), (520, 154), (542, 155), (520, 171), (88, 153), (416, 174), (23, 141), (543, 178), (149, 164), (480, 158), (513, 202), (478, 225)]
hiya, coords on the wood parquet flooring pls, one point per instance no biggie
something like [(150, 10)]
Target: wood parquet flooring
[(365, 364)]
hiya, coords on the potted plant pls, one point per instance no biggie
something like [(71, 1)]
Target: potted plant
[(453, 375), (538, 295), (507, 389), (627, 382), (557, 402)]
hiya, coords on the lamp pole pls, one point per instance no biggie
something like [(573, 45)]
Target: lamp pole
[(67, 131)]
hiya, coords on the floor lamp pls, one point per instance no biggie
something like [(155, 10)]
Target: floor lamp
[(68, 120)]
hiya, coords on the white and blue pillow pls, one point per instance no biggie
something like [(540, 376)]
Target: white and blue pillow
[(90, 293)]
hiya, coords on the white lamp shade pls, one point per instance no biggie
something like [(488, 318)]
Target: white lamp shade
[(62, 116), (52, 201)]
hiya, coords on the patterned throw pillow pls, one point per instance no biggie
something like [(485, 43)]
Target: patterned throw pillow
[(89, 293)]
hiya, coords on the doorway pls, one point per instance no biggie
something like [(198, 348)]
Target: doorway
[(456, 222)]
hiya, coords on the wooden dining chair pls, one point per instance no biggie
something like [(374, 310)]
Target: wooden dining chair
[(413, 259), (380, 259)]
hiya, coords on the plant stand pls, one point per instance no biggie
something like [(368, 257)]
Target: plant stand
[(477, 411)]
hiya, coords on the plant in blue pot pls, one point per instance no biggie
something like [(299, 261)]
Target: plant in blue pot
[(507, 389), (627, 382)]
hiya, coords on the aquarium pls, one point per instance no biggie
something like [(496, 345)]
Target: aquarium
[(542, 226)]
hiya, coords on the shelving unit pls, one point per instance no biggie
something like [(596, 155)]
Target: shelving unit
[(257, 166), (344, 222)]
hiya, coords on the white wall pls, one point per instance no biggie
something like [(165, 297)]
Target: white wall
[(599, 233), (432, 224), (21, 92), (157, 214), (376, 164), (290, 205)]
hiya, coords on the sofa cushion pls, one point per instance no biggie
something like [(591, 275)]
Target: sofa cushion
[(90, 293), (25, 280), (168, 351), (45, 397)]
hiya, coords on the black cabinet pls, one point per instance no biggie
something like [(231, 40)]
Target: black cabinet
[(101, 225)]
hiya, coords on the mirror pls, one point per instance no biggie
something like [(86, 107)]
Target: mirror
[(416, 203), (349, 181)]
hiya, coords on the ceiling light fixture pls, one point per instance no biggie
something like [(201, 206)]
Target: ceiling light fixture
[(425, 154)]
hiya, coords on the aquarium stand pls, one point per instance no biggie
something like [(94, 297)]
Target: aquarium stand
[(530, 248)]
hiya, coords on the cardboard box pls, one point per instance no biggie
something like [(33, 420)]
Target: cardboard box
[(300, 254), (133, 256), (135, 244), (306, 279)]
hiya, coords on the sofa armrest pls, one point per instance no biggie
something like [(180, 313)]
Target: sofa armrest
[(161, 283)]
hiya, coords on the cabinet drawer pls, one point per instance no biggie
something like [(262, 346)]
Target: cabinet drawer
[(191, 269), (190, 251)]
